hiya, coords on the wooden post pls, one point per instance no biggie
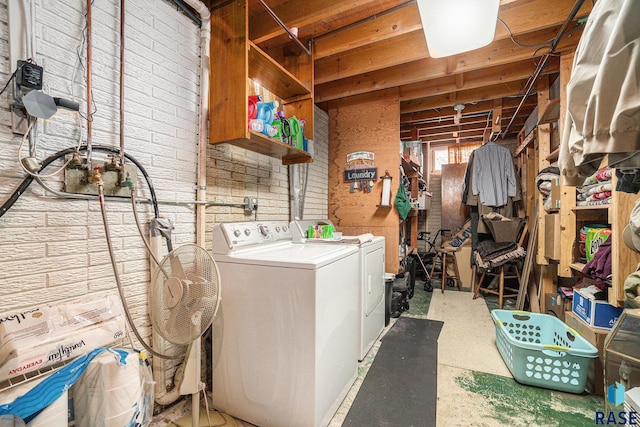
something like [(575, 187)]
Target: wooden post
[(544, 148), (567, 194)]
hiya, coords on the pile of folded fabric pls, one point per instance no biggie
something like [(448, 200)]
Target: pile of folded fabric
[(599, 267), (491, 254), (543, 182), (596, 189)]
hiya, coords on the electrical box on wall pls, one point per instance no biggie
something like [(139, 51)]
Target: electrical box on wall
[(29, 75), (250, 204)]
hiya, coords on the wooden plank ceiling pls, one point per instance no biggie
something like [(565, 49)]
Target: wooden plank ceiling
[(361, 46)]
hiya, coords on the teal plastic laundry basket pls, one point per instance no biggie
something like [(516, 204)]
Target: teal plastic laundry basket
[(540, 350)]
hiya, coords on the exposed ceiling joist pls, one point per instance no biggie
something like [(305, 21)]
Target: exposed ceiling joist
[(363, 46)]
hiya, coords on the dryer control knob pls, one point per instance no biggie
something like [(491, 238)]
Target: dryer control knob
[(284, 228), (277, 228), (264, 230), (247, 231)]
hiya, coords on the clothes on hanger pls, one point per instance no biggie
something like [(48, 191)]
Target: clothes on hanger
[(502, 180), (493, 175)]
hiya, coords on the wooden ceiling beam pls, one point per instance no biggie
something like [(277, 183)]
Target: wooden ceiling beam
[(464, 127), (467, 96), (508, 105), (477, 78), (322, 15), (497, 53), (522, 18), (401, 21)]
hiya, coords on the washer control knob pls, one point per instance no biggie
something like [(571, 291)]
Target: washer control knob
[(285, 228), (277, 228), (247, 231), (237, 233), (264, 230)]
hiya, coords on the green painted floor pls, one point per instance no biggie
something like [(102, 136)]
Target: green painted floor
[(493, 400)]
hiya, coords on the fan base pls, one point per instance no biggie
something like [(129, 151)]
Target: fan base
[(218, 419)]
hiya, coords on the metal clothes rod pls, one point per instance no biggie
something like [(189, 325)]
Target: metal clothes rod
[(284, 27)]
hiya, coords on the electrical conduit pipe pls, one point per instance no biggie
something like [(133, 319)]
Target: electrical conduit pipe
[(164, 397)]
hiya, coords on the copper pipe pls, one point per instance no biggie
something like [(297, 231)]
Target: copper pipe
[(89, 94), (122, 83)]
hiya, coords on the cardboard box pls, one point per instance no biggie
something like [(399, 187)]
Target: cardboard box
[(556, 305), (596, 336), (463, 259), (555, 194), (552, 236), (595, 313)]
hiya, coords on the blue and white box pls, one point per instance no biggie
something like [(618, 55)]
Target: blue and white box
[(595, 313)]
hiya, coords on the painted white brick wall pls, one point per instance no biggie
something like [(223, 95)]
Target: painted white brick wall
[(234, 173), (52, 248)]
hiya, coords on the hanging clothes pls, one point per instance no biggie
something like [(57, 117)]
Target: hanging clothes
[(477, 209), (603, 95), (493, 176)]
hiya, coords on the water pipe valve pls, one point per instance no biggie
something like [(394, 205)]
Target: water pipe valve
[(95, 178)]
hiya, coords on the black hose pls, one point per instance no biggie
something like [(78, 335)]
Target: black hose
[(29, 179)]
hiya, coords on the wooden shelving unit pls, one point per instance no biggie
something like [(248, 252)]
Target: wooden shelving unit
[(236, 62), (616, 216)]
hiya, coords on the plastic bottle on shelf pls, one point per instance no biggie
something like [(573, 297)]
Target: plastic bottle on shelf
[(266, 111), (253, 105)]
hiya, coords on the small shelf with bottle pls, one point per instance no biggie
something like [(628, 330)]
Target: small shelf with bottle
[(237, 66)]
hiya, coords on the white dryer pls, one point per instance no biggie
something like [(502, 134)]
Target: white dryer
[(285, 337), (371, 267)]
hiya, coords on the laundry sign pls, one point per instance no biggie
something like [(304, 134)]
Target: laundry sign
[(360, 174), (360, 171)]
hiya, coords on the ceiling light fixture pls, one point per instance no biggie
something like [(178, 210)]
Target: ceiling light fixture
[(456, 26)]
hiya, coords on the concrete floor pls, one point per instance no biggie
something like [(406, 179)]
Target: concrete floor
[(475, 387)]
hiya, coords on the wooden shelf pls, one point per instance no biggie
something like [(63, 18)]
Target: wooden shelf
[(272, 147), (591, 208), (551, 112), (279, 77), (616, 215), (272, 76), (577, 266)]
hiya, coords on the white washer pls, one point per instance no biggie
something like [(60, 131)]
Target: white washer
[(371, 279), (285, 337)]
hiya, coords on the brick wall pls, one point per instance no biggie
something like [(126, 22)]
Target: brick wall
[(234, 173), (53, 248)]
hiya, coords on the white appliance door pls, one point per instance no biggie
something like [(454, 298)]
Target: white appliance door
[(373, 264)]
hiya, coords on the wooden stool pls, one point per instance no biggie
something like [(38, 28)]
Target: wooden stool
[(443, 254), (501, 289)]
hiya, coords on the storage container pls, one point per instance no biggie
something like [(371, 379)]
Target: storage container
[(542, 351)]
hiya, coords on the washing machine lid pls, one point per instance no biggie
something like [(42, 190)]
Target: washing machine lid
[(290, 256)]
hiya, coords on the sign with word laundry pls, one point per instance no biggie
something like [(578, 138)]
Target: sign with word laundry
[(360, 171)]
